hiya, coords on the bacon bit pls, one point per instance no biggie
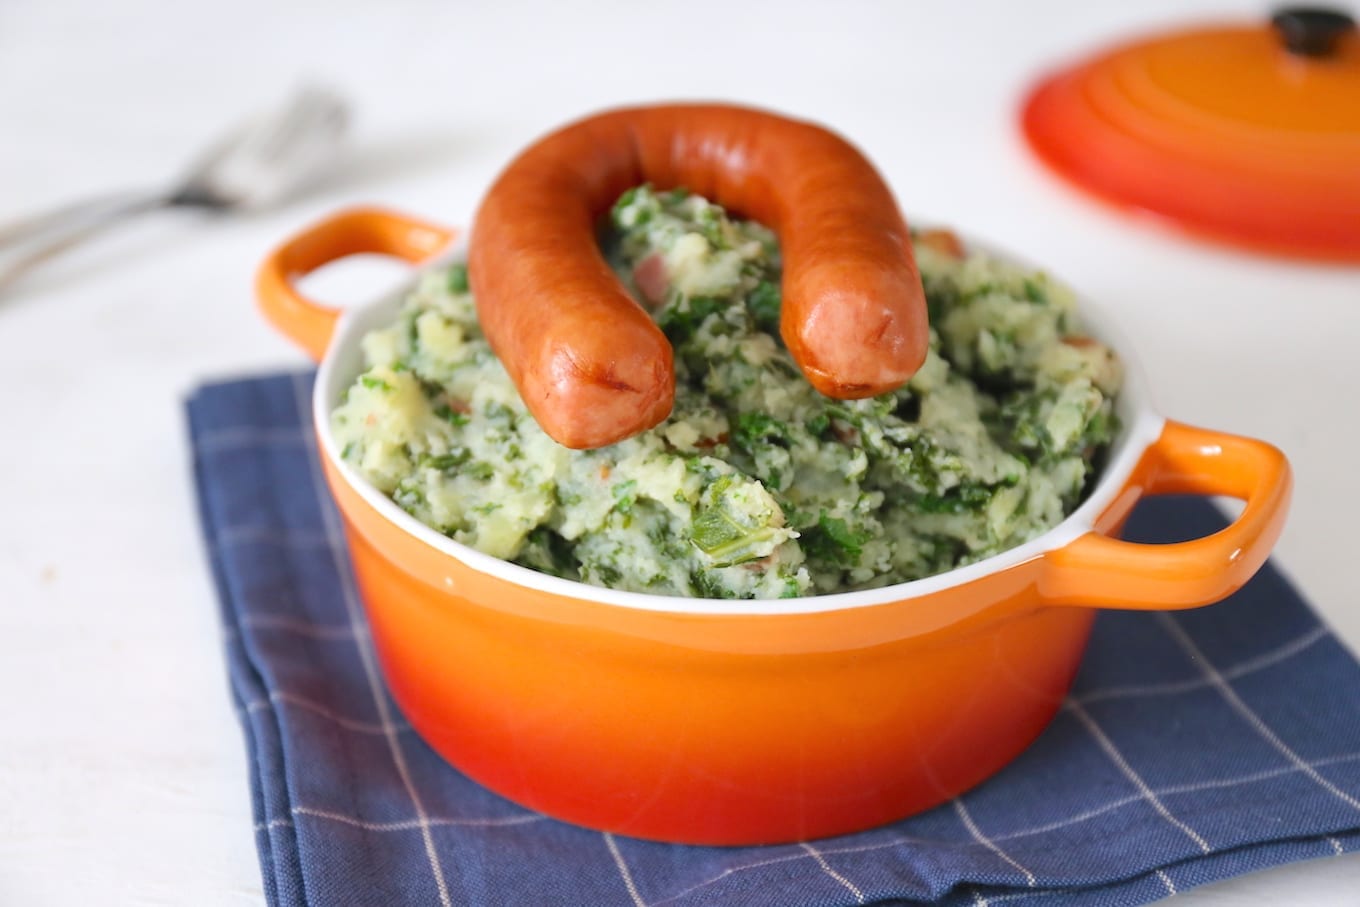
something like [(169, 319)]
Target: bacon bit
[(605, 470), (1080, 342), (760, 563), (462, 407), (651, 279), (845, 433), (710, 443), (371, 419), (946, 242)]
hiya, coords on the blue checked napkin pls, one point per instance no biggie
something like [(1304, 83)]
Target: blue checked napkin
[(1195, 746)]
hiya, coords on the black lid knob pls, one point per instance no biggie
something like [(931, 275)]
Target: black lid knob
[(1311, 31)]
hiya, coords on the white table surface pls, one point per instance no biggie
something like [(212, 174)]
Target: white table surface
[(122, 774)]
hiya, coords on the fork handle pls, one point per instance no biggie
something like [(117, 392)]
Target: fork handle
[(31, 227), (27, 243)]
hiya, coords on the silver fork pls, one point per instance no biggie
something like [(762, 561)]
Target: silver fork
[(255, 166)]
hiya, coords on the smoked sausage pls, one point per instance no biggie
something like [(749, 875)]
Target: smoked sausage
[(589, 362)]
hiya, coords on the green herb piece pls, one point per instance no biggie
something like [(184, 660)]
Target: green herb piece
[(480, 470), (832, 540), (755, 428), (458, 279), (445, 462), (498, 411), (709, 222), (715, 530), (707, 585), (731, 528), (546, 551), (413, 334), (625, 496), (1101, 428), (960, 499), (374, 383), (628, 197), (764, 303), (605, 574), (683, 319), (986, 288), (409, 496), (451, 415)]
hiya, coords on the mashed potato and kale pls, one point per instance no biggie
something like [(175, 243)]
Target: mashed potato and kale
[(756, 486)]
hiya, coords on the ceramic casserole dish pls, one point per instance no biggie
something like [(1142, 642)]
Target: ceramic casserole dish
[(741, 722)]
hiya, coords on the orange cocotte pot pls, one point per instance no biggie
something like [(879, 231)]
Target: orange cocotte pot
[(722, 722)]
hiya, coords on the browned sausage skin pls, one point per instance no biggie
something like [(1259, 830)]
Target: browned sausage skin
[(591, 365)]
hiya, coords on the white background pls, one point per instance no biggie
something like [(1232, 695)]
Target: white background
[(122, 777)]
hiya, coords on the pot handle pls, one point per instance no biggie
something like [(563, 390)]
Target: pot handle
[(1095, 570), (354, 231)]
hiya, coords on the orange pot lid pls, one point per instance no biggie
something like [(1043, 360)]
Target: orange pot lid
[(1247, 133)]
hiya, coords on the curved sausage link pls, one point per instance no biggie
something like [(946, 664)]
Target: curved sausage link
[(590, 363)]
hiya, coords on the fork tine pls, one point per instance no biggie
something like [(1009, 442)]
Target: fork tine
[(309, 108)]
